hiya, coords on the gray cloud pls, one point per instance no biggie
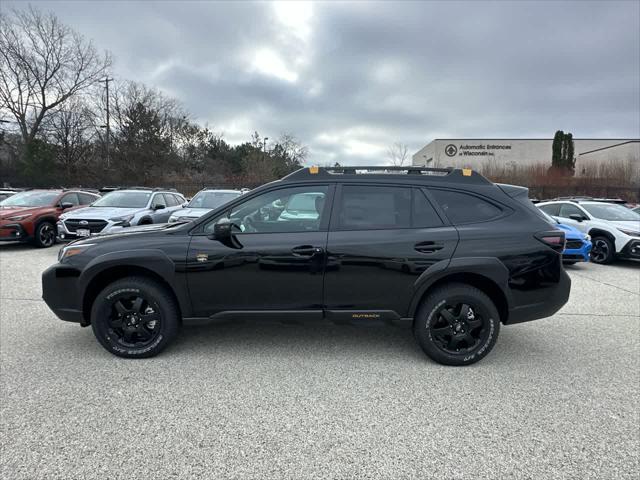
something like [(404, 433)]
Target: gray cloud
[(356, 77)]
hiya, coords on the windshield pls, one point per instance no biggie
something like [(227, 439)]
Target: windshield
[(124, 200), (30, 199), (609, 211), (212, 199)]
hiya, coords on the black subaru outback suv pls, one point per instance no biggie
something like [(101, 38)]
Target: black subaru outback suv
[(444, 251)]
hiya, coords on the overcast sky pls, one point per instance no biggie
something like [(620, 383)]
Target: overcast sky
[(349, 79)]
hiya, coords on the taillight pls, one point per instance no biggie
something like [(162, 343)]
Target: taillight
[(554, 239)]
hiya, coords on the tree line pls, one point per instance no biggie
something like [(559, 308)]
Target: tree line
[(53, 114)]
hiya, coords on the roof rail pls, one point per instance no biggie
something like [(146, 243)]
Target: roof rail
[(450, 173), (588, 199)]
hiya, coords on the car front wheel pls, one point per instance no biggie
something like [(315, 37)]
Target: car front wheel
[(603, 250), (135, 317), (45, 235), (457, 324)]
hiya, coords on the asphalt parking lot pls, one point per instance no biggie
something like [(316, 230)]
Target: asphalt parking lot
[(557, 398)]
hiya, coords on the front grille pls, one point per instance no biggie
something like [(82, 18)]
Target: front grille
[(94, 226), (571, 244)]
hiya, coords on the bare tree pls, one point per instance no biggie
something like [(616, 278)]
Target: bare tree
[(43, 63), (398, 154)]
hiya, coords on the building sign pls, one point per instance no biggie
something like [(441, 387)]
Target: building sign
[(481, 150)]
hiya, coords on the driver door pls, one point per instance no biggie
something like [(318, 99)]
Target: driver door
[(279, 264)]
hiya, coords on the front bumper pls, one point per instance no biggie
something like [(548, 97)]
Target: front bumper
[(631, 249), (13, 232), (578, 254), (61, 294)]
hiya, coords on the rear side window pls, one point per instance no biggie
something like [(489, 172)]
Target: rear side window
[(364, 207), (553, 209), (464, 208)]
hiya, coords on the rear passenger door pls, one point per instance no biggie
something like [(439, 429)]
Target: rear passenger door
[(381, 239)]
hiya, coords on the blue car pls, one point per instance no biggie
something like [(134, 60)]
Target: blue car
[(578, 245)]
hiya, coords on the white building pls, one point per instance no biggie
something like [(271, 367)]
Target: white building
[(495, 154)]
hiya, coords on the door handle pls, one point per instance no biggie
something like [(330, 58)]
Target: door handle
[(428, 247), (306, 251)]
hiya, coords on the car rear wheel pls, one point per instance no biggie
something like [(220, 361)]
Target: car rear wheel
[(45, 235), (135, 317), (603, 250), (457, 324)]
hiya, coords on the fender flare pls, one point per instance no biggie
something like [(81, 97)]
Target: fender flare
[(490, 268), (153, 260)]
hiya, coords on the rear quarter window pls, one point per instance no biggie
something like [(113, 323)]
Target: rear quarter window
[(465, 208)]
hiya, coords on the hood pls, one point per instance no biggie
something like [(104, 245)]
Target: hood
[(100, 213), (190, 212), (10, 211), (571, 233), (633, 225), (138, 230)]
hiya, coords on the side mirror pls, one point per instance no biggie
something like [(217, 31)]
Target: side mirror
[(577, 217), (159, 206), (66, 205), (224, 232)]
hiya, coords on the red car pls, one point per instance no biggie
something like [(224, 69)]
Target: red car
[(31, 216)]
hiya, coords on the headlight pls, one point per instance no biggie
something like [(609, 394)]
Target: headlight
[(173, 219), (631, 233), (19, 217), (122, 221), (587, 237), (71, 250)]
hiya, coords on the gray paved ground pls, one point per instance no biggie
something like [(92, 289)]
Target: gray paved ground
[(557, 398)]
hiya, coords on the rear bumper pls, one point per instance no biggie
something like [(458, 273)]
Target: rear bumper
[(554, 300), (60, 293)]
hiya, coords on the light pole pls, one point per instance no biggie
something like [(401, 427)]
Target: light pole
[(106, 81), (264, 145)]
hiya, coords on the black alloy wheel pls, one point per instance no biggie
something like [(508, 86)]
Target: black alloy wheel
[(457, 324), (458, 328), (134, 320), (45, 235), (602, 250), (135, 317)]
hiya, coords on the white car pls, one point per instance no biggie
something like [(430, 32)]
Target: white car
[(120, 209), (203, 202), (614, 229)]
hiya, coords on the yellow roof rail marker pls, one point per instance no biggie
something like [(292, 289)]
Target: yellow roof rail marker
[(314, 170), (466, 172)]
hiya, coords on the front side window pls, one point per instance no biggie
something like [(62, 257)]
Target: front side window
[(124, 200), (295, 209), (170, 200), (86, 199), (71, 198), (369, 207), (463, 208)]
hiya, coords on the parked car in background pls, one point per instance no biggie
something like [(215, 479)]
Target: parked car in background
[(445, 252), (637, 209), (614, 229), (120, 209), (578, 244), (203, 202), (31, 216)]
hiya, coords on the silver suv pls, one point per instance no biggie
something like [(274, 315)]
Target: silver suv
[(120, 209)]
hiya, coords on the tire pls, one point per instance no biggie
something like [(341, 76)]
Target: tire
[(457, 338), (135, 317), (145, 221), (603, 250), (45, 235)]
